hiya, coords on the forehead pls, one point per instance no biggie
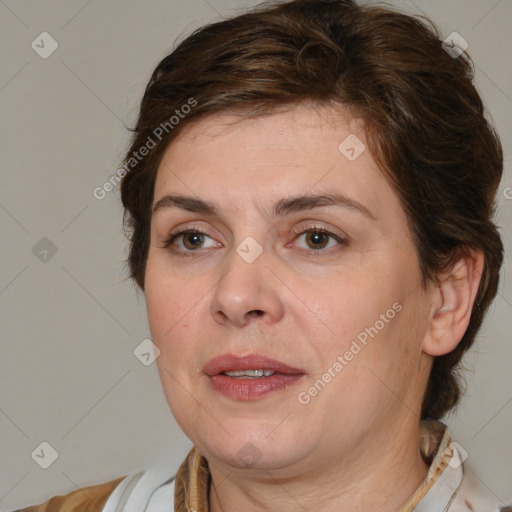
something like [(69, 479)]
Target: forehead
[(318, 125), (234, 159)]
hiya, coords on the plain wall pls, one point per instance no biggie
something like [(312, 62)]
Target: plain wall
[(70, 324)]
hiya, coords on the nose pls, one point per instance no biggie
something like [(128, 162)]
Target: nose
[(247, 292)]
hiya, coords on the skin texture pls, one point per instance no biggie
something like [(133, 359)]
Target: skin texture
[(354, 445)]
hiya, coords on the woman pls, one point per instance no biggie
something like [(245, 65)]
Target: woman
[(309, 197)]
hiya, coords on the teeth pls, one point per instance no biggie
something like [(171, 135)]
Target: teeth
[(250, 374)]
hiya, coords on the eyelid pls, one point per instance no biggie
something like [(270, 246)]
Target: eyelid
[(316, 226)]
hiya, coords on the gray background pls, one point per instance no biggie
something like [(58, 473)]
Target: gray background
[(71, 323)]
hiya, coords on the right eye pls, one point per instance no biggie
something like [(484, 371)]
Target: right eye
[(190, 239)]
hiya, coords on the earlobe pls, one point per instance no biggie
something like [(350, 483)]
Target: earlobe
[(452, 304)]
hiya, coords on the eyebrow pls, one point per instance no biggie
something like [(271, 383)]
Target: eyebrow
[(282, 207)]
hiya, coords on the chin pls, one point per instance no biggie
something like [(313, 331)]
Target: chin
[(251, 456), (251, 448)]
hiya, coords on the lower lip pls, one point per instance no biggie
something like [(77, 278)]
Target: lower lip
[(251, 389)]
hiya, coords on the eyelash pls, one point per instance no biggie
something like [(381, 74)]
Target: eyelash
[(298, 232)]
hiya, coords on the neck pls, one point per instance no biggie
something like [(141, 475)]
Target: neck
[(371, 478)]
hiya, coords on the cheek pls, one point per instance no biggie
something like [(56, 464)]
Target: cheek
[(176, 312), (166, 304), (377, 311), (159, 309), (353, 302), (165, 291)]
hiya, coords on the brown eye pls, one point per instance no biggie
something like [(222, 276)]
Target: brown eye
[(187, 241), (192, 240), (317, 239)]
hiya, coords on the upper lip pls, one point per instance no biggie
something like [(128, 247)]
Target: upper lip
[(231, 362)]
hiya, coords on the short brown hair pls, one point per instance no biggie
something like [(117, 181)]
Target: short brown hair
[(424, 120)]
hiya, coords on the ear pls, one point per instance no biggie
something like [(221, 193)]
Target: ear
[(452, 302)]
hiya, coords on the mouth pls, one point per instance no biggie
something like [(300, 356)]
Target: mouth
[(250, 377), (249, 374), (253, 366)]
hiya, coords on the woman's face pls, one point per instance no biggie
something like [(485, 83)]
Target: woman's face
[(328, 287)]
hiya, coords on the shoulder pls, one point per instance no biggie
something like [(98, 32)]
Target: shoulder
[(149, 489), (454, 486), (473, 495), (85, 499)]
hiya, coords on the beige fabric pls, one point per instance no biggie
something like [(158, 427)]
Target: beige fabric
[(436, 451), (85, 499), (192, 483)]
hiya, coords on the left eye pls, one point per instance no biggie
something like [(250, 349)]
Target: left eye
[(318, 238)]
